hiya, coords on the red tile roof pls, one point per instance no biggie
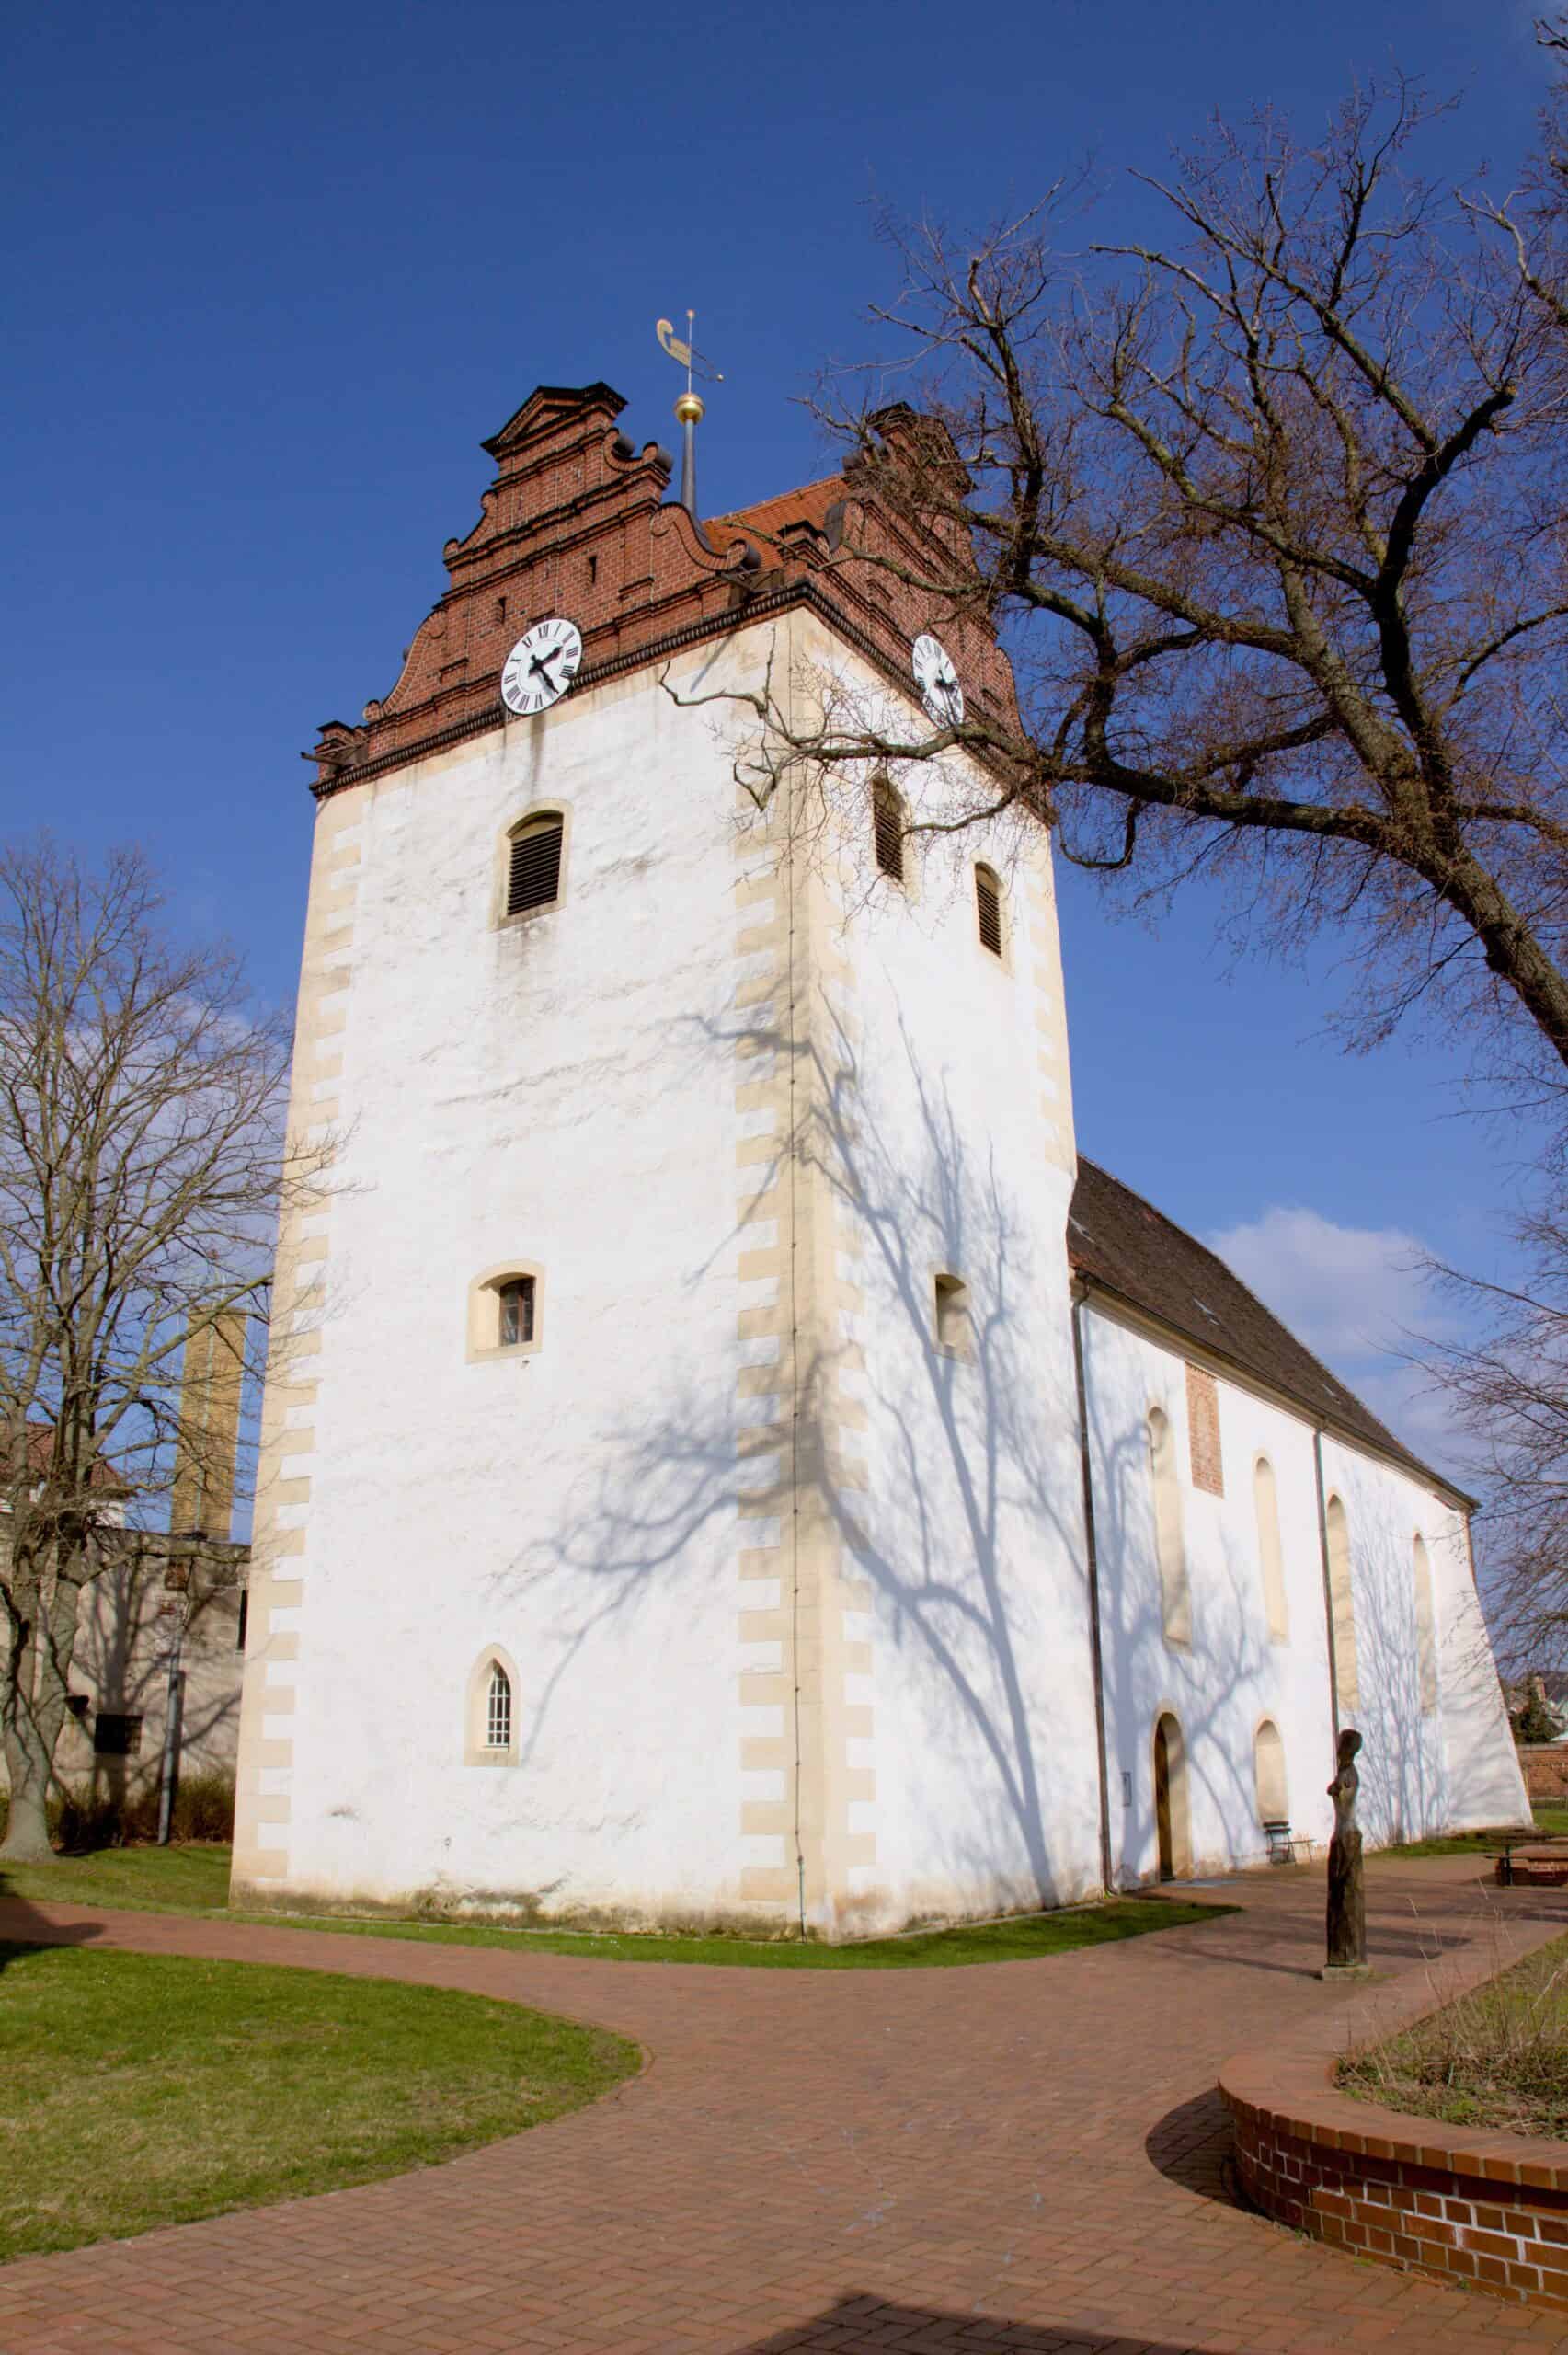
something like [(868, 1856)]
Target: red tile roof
[(1117, 1239), (808, 503)]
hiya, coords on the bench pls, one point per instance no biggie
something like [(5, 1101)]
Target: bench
[(1284, 1844)]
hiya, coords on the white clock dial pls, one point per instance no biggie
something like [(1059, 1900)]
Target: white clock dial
[(938, 682), (541, 666)]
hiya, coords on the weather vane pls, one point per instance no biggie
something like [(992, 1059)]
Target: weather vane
[(688, 406)]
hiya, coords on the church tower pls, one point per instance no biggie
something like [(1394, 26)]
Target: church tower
[(672, 1504)]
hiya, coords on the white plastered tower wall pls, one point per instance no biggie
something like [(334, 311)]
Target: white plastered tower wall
[(1424, 1770), (699, 1098), (935, 1550)]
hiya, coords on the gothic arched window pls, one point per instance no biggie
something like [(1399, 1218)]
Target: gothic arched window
[(1425, 1628), (1342, 1600), (497, 1709), (1175, 1598), (1265, 1505)]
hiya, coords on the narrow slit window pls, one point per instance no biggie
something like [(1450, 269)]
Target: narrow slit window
[(888, 830), (516, 1312), (988, 910), (498, 1710), (1170, 1549), (533, 875)]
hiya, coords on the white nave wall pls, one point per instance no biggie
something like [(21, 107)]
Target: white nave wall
[(1421, 1771)]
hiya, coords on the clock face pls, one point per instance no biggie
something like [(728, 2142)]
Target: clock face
[(938, 682), (542, 666)]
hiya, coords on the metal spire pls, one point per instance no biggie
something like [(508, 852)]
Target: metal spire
[(689, 407)]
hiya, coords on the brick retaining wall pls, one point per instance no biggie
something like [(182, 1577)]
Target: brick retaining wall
[(1545, 1771), (1488, 2209)]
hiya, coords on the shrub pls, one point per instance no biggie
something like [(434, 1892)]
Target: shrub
[(79, 1820), (204, 1807)]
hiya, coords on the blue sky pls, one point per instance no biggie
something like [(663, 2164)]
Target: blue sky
[(274, 273)]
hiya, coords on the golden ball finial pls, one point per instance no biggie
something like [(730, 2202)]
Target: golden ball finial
[(689, 409)]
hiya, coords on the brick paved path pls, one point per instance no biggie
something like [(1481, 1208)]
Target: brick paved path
[(1025, 2156)]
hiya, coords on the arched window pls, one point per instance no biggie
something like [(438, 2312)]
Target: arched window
[(1266, 1504), (497, 1709), (489, 1737), (1425, 1628), (1342, 1604), (888, 829), (988, 909), (506, 1311), (1175, 1601), (1268, 1762), (533, 864)]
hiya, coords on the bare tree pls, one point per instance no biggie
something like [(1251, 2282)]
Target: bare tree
[(141, 1160), (1507, 1383), (1269, 512)]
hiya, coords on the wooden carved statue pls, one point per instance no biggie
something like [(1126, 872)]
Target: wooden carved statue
[(1346, 1898)]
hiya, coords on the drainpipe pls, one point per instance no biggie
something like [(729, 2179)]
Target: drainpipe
[(1328, 1581), (1093, 1557)]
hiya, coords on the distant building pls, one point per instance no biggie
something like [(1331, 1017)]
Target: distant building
[(733, 1460), (182, 1591)]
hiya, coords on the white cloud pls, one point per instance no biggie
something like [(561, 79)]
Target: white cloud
[(1355, 1295), (1348, 1291)]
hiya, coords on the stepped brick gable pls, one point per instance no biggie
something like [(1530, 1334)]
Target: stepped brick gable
[(578, 520)]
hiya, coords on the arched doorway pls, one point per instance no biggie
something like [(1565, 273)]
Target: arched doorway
[(1171, 1798)]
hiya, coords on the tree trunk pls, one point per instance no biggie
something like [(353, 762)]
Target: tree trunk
[(27, 1834)]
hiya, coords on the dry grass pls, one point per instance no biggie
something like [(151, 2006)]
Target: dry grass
[(1496, 2057)]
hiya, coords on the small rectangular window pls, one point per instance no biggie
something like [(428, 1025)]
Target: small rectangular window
[(243, 1618), (988, 909), (117, 1735), (516, 1312), (952, 1315)]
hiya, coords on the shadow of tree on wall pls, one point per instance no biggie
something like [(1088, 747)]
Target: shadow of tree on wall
[(978, 1513), (1404, 1791), (1199, 1681), (859, 2323)]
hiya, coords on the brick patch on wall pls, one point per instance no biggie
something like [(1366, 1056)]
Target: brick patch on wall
[(1487, 2208), (1203, 1431)]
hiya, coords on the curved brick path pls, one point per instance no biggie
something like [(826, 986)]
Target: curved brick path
[(1024, 2156)]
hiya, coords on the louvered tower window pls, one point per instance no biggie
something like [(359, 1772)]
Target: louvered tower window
[(888, 829), (988, 909), (534, 876)]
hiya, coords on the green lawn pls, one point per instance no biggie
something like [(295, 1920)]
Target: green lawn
[(138, 2090), (163, 1880), (1549, 1821), (195, 1881)]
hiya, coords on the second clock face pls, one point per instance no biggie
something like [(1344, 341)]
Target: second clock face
[(938, 682), (542, 666)]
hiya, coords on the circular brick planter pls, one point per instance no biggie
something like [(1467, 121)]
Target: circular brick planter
[(1487, 2208)]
